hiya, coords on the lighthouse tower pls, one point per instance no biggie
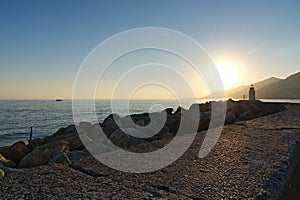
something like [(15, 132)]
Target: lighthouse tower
[(252, 93)]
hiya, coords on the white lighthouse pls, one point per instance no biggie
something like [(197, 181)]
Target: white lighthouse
[(251, 93)]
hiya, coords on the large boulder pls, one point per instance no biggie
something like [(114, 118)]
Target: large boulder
[(61, 159), (188, 125), (74, 142), (6, 162), (141, 122), (96, 148), (109, 125), (127, 122), (119, 138), (179, 111), (141, 119), (123, 140), (15, 152), (158, 116), (88, 135), (139, 132), (245, 110), (173, 123), (230, 117), (41, 155), (160, 134), (69, 135), (76, 155), (204, 121), (248, 114), (86, 125), (205, 107), (67, 158), (71, 129), (270, 108), (169, 111), (236, 107), (36, 143)]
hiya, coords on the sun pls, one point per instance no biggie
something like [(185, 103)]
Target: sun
[(228, 73)]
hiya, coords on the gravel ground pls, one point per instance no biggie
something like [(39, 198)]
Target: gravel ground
[(252, 160)]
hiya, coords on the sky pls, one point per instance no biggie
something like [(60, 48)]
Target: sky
[(43, 43)]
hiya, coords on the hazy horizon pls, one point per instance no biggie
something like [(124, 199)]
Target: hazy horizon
[(201, 97)]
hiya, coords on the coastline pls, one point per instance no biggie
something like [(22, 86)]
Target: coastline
[(265, 146)]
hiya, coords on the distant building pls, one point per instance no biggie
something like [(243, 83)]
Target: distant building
[(252, 93)]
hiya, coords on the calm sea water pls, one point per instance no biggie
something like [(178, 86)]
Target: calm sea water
[(47, 116)]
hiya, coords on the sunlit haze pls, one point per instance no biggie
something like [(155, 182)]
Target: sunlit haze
[(229, 73)]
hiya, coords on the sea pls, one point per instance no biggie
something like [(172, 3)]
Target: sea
[(47, 116)]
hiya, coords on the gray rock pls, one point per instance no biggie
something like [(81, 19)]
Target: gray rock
[(76, 155), (86, 125), (141, 123), (36, 143), (164, 133), (69, 135), (15, 152), (6, 162), (74, 142), (61, 159), (168, 135), (41, 155), (144, 116), (195, 106), (63, 131), (139, 132), (2, 173), (119, 138), (94, 135), (254, 108), (109, 125), (230, 117), (169, 111), (173, 123), (127, 122), (179, 110), (204, 120), (247, 115), (99, 148), (205, 107), (188, 125)]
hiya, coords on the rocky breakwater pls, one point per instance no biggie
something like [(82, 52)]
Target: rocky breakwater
[(65, 145)]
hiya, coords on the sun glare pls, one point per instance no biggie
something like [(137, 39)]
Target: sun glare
[(228, 73)]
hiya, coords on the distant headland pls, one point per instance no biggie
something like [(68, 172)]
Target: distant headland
[(270, 88)]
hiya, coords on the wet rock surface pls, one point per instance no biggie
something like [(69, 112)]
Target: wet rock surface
[(253, 159)]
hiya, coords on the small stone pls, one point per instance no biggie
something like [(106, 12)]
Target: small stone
[(2, 173)]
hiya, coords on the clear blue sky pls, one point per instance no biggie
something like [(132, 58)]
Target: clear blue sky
[(42, 43)]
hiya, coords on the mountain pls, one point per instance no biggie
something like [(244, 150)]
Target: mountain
[(288, 88), (271, 88)]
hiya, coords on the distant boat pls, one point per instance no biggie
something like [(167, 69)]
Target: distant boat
[(58, 100)]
